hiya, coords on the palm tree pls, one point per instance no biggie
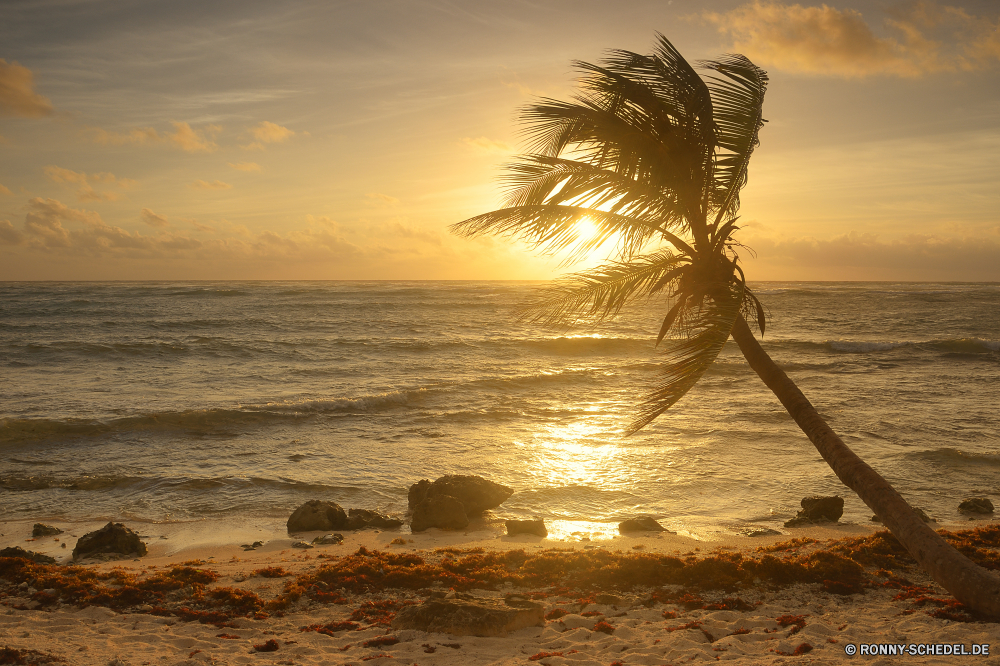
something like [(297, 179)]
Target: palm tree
[(654, 156)]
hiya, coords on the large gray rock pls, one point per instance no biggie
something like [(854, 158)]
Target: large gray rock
[(316, 515), (644, 524), (980, 505), (112, 538), (474, 492), (359, 519), (536, 527), (818, 510), (470, 617), (442, 511)]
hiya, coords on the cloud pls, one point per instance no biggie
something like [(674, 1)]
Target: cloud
[(9, 235), (194, 141), (864, 256), (205, 185), (152, 219), (17, 92), (86, 192), (245, 166), (140, 136), (4, 191), (400, 230), (487, 146), (925, 38), (52, 226), (268, 132), (384, 198)]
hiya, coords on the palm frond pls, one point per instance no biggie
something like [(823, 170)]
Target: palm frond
[(600, 293), (553, 228), (737, 99), (687, 358), (539, 180)]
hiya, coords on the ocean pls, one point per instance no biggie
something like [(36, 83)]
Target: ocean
[(175, 402)]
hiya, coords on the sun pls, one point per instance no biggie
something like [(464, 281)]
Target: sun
[(586, 230)]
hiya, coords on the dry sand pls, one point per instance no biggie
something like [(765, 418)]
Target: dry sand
[(642, 633)]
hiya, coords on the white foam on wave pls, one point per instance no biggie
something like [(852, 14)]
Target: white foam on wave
[(863, 347)]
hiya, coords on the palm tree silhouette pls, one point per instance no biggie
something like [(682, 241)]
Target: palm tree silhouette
[(654, 156)]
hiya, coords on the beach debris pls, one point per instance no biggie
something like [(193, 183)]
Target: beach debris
[(252, 546), (976, 505), (40, 530), (270, 645), (462, 617), (112, 538), (329, 539), (474, 492), (818, 509), (17, 551), (301, 544), (642, 524), (536, 527), (316, 515), (759, 532), (359, 519), (442, 511)]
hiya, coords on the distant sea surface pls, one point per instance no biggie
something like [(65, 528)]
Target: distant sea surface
[(178, 402)]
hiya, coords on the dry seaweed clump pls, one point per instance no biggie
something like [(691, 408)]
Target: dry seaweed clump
[(190, 592)]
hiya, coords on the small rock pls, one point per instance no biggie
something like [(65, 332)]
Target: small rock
[(818, 510), (252, 546), (980, 505), (329, 540), (536, 527), (361, 518), (441, 511), (17, 551), (40, 530), (113, 538), (301, 544), (317, 515), (643, 524), (479, 617)]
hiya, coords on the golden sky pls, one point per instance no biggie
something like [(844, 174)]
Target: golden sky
[(338, 140)]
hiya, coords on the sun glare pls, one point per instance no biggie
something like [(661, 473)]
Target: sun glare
[(586, 229)]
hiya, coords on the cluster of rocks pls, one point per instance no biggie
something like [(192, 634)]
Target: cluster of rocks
[(319, 515), (818, 510)]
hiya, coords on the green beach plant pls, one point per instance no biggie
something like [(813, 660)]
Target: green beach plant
[(654, 155)]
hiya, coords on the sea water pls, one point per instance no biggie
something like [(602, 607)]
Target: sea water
[(174, 402)]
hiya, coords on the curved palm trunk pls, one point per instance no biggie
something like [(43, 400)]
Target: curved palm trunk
[(972, 585)]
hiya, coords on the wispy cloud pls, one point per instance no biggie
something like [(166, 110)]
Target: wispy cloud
[(924, 37), (140, 136), (4, 191), (383, 198), (86, 191), (206, 185), (152, 219), (17, 92), (268, 132), (195, 141), (487, 146), (245, 166)]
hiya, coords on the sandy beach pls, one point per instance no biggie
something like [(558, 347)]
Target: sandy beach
[(209, 601)]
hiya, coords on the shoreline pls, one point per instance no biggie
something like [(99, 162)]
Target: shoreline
[(645, 625)]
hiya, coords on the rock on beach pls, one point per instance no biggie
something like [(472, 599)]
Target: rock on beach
[(470, 617), (112, 538)]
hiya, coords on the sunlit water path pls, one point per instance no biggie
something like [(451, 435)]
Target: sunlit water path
[(186, 401)]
